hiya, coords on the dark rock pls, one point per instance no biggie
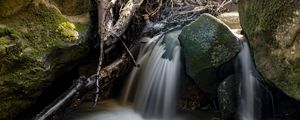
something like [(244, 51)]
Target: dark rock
[(228, 97), (191, 97)]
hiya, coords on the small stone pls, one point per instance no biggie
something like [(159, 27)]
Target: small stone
[(296, 12), (292, 52)]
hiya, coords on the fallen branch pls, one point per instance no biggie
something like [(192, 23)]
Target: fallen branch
[(125, 17), (106, 29), (105, 22), (82, 86)]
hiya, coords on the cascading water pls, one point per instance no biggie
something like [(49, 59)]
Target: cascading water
[(151, 87), (248, 84), (157, 77)]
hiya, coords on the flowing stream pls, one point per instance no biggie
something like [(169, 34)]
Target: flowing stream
[(248, 84), (150, 92)]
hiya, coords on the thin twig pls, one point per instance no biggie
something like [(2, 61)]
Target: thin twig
[(130, 54), (223, 4), (103, 28)]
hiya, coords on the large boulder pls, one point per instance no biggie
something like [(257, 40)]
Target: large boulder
[(207, 43), (36, 44), (273, 30)]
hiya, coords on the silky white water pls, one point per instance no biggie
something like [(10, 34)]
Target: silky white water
[(150, 92), (108, 110), (155, 94), (248, 83)]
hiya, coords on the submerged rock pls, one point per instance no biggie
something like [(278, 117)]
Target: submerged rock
[(190, 97), (36, 44), (207, 44), (272, 28)]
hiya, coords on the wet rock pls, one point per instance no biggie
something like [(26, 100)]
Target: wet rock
[(228, 97), (285, 107), (190, 97), (272, 28), (207, 44), (36, 44)]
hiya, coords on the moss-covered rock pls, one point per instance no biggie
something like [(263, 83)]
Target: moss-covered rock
[(206, 43), (273, 30), (36, 43), (67, 30), (9, 7)]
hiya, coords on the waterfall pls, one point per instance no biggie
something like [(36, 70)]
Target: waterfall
[(248, 84), (159, 70), (150, 92)]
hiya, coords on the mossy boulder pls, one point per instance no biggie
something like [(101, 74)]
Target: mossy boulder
[(9, 7), (36, 44), (207, 43), (273, 30)]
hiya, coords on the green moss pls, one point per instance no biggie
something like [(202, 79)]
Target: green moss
[(295, 75), (67, 30), (9, 7), (81, 28), (28, 63), (262, 25), (4, 41), (293, 81), (265, 18), (37, 26), (9, 105)]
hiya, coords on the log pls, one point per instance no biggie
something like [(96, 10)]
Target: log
[(82, 86), (122, 23), (110, 33), (105, 22)]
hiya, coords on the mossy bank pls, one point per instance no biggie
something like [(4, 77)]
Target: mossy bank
[(273, 30), (36, 43)]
